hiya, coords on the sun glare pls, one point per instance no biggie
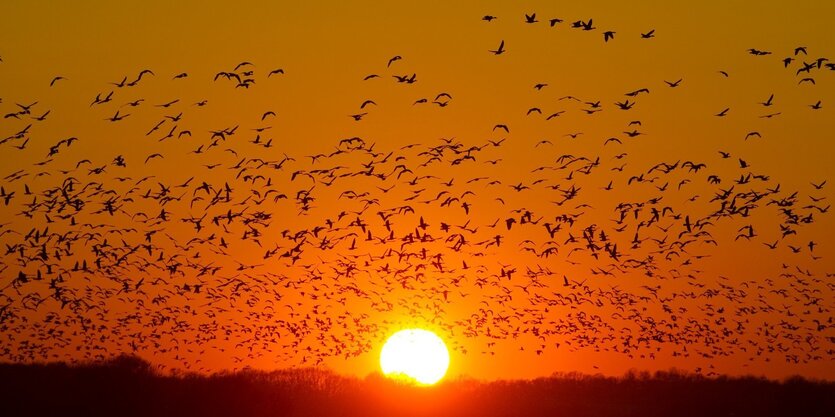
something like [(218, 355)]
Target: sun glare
[(415, 354)]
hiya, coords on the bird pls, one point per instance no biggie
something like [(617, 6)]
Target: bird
[(42, 117), (55, 80), (168, 104), (636, 92), (242, 64), (553, 115), (275, 72), (152, 156), (22, 146), (579, 24), (608, 35), (647, 35), (500, 50), (116, 117), (625, 105)]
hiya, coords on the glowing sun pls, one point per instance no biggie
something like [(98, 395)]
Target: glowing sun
[(416, 354)]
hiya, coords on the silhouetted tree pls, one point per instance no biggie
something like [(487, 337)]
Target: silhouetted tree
[(129, 386)]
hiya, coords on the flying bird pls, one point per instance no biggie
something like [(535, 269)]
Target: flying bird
[(242, 64), (116, 117), (152, 156), (500, 50)]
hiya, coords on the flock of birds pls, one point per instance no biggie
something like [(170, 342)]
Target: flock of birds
[(240, 248)]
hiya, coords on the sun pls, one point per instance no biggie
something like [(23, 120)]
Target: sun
[(416, 354)]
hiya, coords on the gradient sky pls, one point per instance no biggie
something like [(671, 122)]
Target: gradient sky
[(758, 305)]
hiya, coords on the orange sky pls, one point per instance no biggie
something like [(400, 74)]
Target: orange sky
[(682, 289)]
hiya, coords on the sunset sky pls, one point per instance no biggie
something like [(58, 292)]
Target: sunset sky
[(217, 213)]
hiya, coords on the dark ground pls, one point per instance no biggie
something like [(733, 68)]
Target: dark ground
[(128, 386)]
